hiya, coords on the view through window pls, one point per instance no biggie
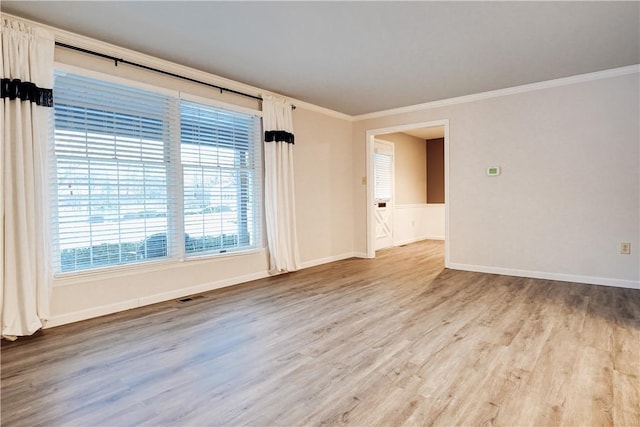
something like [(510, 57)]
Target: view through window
[(140, 175)]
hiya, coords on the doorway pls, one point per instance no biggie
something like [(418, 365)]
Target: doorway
[(374, 222), (383, 193)]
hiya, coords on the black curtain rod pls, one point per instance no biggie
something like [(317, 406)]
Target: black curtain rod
[(124, 61)]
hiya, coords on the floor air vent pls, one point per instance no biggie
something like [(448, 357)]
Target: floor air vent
[(189, 299)]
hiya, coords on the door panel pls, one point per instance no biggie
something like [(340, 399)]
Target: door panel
[(383, 190)]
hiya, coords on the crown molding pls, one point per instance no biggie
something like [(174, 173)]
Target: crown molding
[(564, 81), (322, 110)]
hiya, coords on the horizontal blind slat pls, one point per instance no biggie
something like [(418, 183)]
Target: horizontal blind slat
[(221, 199), (111, 184), (114, 186)]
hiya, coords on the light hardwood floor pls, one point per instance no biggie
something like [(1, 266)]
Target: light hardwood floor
[(393, 341)]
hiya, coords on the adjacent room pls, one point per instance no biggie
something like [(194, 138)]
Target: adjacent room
[(409, 186), (320, 213)]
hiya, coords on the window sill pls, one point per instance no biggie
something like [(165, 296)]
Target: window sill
[(208, 256), (76, 277)]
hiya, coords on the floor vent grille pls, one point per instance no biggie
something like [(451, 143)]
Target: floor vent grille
[(191, 298)]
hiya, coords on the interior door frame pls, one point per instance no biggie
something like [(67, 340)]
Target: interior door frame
[(370, 142)]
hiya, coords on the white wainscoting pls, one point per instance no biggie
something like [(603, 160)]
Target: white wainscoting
[(417, 222)]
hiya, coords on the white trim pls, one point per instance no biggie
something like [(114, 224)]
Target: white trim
[(369, 144), (124, 270), (327, 260), (90, 313), (369, 170), (417, 239), (208, 256), (204, 287), (103, 310), (447, 197), (564, 81), (76, 316), (322, 110), (591, 280), (388, 148), (410, 126), (360, 255)]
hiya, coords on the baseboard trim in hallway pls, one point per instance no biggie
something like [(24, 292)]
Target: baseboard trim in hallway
[(591, 280)]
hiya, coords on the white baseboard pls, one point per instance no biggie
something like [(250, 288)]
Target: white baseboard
[(591, 280), (327, 260), (417, 239), (361, 255), (90, 313), (76, 316), (205, 287), (103, 310)]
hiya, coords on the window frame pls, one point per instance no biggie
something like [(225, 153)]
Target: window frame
[(175, 186), (258, 156)]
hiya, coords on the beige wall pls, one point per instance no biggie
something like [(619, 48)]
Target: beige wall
[(569, 189), (410, 176), (324, 203)]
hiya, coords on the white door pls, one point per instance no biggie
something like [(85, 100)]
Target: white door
[(383, 191)]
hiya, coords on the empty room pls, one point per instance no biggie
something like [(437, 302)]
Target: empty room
[(320, 213)]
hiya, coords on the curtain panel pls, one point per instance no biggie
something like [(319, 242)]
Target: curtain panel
[(26, 82), (280, 216)]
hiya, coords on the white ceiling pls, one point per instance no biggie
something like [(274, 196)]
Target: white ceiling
[(361, 57)]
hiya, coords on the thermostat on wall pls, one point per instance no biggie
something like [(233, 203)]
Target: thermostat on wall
[(493, 171)]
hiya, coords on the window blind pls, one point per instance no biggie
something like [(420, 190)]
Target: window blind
[(221, 177), (112, 182), (140, 175), (383, 166)]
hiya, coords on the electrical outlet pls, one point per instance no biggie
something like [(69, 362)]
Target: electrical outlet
[(625, 248)]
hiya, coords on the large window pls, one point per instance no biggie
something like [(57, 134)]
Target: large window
[(140, 175)]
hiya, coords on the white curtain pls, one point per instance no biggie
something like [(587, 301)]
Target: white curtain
[(27, 77), (280, 216)]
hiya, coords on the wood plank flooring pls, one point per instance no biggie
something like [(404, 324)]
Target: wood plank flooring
[(393, 341)]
